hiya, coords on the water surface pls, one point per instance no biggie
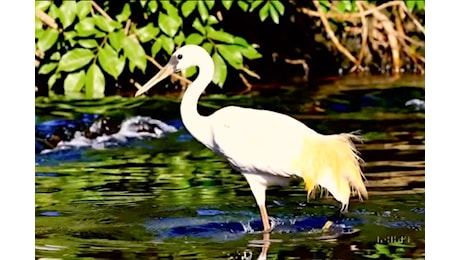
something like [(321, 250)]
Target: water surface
[(171, 198)]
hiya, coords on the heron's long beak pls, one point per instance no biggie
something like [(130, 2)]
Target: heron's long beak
[(163, 73)]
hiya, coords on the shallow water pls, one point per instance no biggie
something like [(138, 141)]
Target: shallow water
[(171, 198)]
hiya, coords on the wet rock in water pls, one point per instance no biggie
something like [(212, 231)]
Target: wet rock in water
[(416, 104), (104, 132), (145, 126), (103, 126)]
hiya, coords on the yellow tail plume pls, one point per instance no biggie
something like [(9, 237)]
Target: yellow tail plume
[(332, 162)]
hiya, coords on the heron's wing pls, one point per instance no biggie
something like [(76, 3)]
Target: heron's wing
[(257, 140)]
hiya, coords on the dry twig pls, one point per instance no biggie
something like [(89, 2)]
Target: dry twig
[(392, 40), (302, 62), (101, 11), (45, 18)]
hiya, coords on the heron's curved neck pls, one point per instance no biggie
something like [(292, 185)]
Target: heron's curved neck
[(194, 122)]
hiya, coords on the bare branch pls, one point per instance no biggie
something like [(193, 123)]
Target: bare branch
[(101, 11), (48, 20), (349, 16), (302, 62), (331, 34), (365, 31)]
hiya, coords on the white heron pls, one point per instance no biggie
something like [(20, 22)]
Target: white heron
[(266, 147)]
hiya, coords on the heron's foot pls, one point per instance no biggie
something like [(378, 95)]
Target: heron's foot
[(270, 229), (327, 226)]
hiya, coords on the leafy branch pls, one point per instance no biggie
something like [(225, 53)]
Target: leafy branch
[(72, 34)]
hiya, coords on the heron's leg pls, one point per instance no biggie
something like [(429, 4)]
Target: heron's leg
[(258, 187), (264, 215)]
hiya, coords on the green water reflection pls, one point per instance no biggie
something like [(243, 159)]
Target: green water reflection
[(101, 207)]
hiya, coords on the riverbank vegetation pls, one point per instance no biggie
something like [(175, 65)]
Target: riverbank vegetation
[(91, 49)]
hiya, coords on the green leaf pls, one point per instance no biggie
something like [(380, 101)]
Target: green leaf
[(188, 7), (42, 5), (87, 43), (232, 54), (208, 47), (54, 11), (169, 24), (373, 256), (125, 13), (74, 82), (250, 53), (243, 5), (135, 53), (190, 71), (324, 5), (156, 46), (274, 14), (53, 79), (421, 5), (209, 3), (168, 45), (241, 41), (47, 39), (69, 35), (86, 27), (47, 68), (153, 6), (203, 11), (255, 4), (221, 36), (55, 56), (108, 59), (179, 39), (147, 33), (170, 9), (228, 3), (278, 6), (83, 9), (68, 13), (264, 11), (38, 26), (75, 59), (105, 24), (212, 20), (143, 2), (410, 5), (220, 73), (94, 82), (198, 26), (116, 39), (100, 34), (194, 38), (344, 6)]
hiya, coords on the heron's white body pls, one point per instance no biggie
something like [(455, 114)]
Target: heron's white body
[(266, 147)]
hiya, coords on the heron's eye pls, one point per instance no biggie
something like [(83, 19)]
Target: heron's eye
[(179, 56)]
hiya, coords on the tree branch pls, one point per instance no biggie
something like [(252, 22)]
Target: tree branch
[(101, 11), (364, 33), (348, 16), (331, 34), (48, 20)]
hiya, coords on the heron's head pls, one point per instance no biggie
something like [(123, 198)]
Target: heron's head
[(186, 56)]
